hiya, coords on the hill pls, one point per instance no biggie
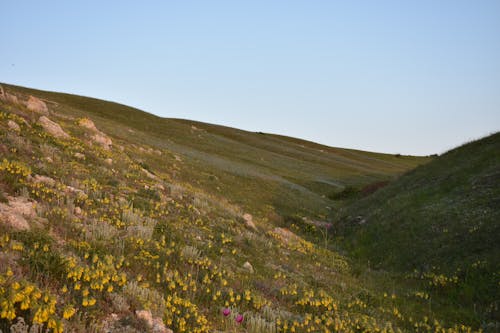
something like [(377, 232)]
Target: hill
[(439, 222), (115, 220), (218, 159)]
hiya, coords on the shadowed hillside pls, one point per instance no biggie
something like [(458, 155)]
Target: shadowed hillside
[(439, 222)]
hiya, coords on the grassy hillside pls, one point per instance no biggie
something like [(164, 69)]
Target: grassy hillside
[(440, 222), (298, 175), (114, 220)]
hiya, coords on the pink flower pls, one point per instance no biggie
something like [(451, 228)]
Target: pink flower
[(226, 312), (239, 318)]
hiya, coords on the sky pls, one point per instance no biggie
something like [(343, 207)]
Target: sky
[(409, 77)]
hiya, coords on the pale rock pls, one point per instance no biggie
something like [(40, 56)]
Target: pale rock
[(80, 156), (45, 180), (108, 161), (16, 211), (52, 128), (103, 140), (71, 189), (37, 105), (248, 267), (148, 174), (154, 323), (286, 235), (16, 221), (159, 187), (13, 126), (98, 136), (249, 221), (88, 124), (77, 211), (6, 97), (12, 98)]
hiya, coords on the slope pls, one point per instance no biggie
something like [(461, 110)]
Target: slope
[(114, 222), (298, 175), (441, 222)]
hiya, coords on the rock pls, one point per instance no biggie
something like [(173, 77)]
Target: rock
[(248, 267), (74, 190), (108, 161), (88, 124), (44, 179), (98, 136), (286, 235), (159, 187), (15, 212), (52, 128), (145, 315), (103, 140), (155, 324), (9, 98), (22, 206), (80, 156), (148, 174), (77, 211), (249, 221), (16, 221), (49, 159), (37, 105), (13, 126), (360, 220)]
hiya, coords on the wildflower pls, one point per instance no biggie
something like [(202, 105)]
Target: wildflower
[(239, 318), (226, 312)]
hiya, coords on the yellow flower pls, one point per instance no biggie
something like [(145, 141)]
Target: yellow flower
[(69, 311)]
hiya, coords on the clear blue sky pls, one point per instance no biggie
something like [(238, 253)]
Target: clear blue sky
[(411, 77)]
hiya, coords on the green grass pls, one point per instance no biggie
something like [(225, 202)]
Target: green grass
[(441, 218)]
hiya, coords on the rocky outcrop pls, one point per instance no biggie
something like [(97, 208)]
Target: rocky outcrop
[(248, 267), (45, 180), (37, 105), (8, 98), (286, 235), (88, 124), (15, 212), (249, 221), (154, 323), (103, 140), (13, 126), (97, 136), (52, 128)]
